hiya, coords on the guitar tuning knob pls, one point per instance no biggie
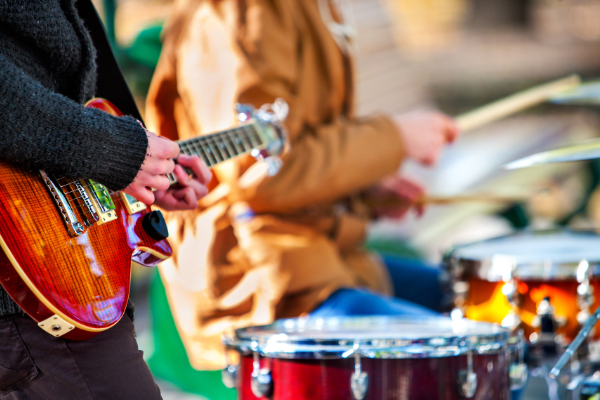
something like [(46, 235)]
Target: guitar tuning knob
[(243, 111)]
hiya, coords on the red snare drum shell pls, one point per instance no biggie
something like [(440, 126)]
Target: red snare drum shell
[(408, 358), (389, 379)]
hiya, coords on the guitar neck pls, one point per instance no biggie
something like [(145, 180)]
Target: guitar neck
[(222, 146)]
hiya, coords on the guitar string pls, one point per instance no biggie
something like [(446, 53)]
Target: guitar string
[(194, 150), (191, 146)]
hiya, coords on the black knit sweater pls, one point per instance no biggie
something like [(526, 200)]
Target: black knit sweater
[(47, 71)]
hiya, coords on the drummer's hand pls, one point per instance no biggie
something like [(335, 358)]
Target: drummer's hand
[(187, 192), (395, 196), (425, 133)]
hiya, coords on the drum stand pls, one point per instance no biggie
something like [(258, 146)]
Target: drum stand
[(581, 383)]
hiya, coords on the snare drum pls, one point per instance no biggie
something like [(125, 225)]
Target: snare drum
[(526, 279), (372, 358)]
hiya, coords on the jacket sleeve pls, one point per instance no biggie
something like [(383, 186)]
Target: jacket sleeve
[(330, 163), (41, 129), (251, 52)]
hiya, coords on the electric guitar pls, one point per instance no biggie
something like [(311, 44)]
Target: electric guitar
[(68, 244)]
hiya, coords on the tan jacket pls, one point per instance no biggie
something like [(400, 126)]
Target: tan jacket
[(231, 271)]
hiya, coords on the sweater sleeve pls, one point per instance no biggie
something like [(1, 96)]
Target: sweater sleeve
[(41, 129)]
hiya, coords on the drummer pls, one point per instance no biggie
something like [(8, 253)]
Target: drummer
[(261, 247)]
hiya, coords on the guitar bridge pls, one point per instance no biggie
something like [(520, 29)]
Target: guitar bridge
[(77, 194), (74, 227), (131, 204)]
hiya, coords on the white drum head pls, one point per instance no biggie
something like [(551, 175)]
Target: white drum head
[(541, 255), (373, 337)]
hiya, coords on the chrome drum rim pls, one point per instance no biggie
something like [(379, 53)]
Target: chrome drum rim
[(372, 337)]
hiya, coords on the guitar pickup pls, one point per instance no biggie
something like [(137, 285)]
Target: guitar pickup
[(74, 227), (101, 200), (131, 204)]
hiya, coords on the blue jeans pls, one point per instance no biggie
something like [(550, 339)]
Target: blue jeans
[(416, 287)]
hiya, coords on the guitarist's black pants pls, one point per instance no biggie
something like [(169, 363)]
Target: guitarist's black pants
[(35, 365)]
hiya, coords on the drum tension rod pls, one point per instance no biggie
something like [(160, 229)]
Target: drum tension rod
[(359, 381), (467, 379), (229, 374), (262, 382)]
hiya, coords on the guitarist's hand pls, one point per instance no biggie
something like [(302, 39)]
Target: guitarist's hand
[(159, 162), (189, 190)]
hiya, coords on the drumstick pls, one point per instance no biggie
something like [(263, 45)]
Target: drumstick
[(482, 197), (514, 103)]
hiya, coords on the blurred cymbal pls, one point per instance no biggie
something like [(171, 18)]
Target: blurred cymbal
[(587, 93), (579, 152)]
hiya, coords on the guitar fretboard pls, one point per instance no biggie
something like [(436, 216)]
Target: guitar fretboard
[(221, 146)]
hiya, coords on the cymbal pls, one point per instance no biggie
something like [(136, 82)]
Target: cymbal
[(587, 93), (578, 152)]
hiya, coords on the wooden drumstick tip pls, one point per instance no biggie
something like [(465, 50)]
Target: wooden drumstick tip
[(515, 103)]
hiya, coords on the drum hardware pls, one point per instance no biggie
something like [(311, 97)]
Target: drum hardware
[(563, 265), (584, 387), (467, 379), (461, 292), (579, 339), (518, 372), (229, 376), (416, 358), (510, 290), (262, 382), (359, 381), (548, 322), (460, 289), (585, 292)]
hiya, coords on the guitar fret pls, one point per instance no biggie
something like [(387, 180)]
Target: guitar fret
[(240, 133), (216, 152), (200, 152), (229, 144), (256, 142), (250, 138), (186, 149), (223, 146), (256, 135), (234, 142), (209, 153)]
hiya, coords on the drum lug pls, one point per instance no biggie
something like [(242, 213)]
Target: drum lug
[(261, 380), (467, 379), (518, 375), (585, 292), (511, 291), (262, 383), (359, 381), (518, 372), (229, 376)]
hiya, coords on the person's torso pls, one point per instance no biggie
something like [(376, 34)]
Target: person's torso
[(48, 41)]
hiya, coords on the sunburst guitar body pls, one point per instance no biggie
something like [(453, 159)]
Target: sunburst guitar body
[(68, 244)]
